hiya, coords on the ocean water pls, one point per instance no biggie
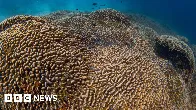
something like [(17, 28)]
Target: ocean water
[(180, 16)]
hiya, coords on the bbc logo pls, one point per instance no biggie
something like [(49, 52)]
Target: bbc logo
[(17, 98), (28, 98)]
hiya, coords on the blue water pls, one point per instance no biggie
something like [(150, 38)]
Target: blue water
[(180, 15)]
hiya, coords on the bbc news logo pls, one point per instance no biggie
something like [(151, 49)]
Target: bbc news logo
[(28, 98)]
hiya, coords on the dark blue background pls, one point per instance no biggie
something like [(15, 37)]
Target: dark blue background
[(180, 15)]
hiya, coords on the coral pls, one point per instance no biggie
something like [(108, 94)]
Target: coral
[(40, 58), (90, 63), (193, 47), (110, 15), (147, 33), (118, 70), (178, 52), (16, 20), (63, 14), (193, 91), (182, 38), (193, 82), (56, 15)]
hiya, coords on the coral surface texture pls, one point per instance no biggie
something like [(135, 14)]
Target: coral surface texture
[(101, 60)]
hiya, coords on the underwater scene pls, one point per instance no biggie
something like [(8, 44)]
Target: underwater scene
[(97, 55)]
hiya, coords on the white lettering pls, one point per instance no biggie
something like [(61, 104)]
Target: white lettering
[(36, 98), (41, 98), (27, 97), (48, 97), (54, 97), (17, 97), (7, 97)]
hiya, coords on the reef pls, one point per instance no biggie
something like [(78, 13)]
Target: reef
[(97, 60), (178, 52)]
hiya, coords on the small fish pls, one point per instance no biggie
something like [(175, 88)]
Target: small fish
[(92, 8), (121, 1), (94, 4), (76, 9)]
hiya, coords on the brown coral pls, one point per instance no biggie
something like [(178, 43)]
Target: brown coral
[(40, 58), (178, 52), (56, 15), (110, 15), (88, 64), (16, 20)]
